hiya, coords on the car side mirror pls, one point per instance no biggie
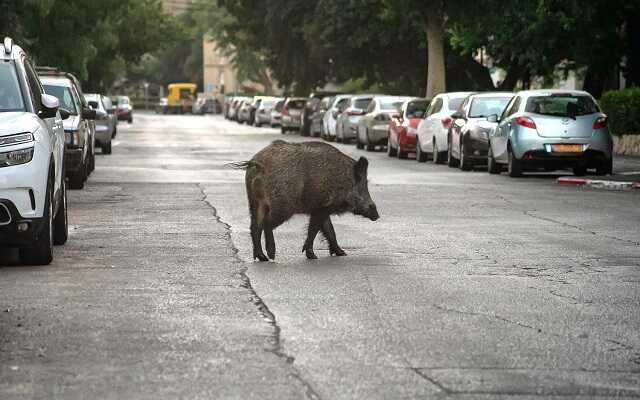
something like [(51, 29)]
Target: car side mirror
[(492, 118), (88, 113), (64, 113), (50, 105)]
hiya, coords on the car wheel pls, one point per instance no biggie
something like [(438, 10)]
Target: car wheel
[(391, 151), (41, 252), (61, 222), (403, 155), (359, 144), (420, 155), (580, 170), (115, 132), (605, 168), (92, 161), (492, 166), (106, 149), (283, 130), (77, 179), (465, 164), (437, 154), (515, 166), (451, 162)]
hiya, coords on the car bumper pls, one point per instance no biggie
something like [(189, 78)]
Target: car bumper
[(124, 115), (25, 186), (11, 219), (291, 122), (378, 134), (103, 134), (541, 147), (73, 159), (407, 142)]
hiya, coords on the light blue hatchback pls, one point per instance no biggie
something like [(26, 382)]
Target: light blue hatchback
[(551, 130)]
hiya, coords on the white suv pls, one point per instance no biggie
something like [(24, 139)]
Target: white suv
[(33, 200)]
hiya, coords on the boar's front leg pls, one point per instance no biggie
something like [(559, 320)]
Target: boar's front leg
[(269, 240), (315, 224), (330, 234)]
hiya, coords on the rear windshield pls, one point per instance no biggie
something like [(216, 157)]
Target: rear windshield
[(362, 104), (562, 105), (341, 103), (296, 104), (390, 104), (64, 95), (267, 103), (10, 94), (482, 107), (417, 109), (454, 104), (279, 105)]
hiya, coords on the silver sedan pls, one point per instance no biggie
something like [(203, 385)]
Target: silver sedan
[(550, 130)]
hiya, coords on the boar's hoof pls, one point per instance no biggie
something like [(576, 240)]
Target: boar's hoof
[(260, 257), (308, 251), (271, 253), (337, 252)]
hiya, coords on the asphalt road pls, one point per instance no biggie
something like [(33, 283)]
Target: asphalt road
[(469, 286)]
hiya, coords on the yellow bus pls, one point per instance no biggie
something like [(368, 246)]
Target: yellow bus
[(181, 97)]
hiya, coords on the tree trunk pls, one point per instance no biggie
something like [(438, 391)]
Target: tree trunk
[(434, 28)]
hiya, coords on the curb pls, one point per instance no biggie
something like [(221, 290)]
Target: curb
[(599, 183)]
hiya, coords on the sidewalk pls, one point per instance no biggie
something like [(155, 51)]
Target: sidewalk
[(626, 176)]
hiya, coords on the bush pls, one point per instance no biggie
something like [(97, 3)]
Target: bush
[(623, 109)]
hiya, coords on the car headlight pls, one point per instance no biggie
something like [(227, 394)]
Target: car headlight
[(16, 139), (71, 137), (16, 157)]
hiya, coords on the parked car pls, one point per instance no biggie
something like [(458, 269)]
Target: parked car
[(104, 125), (336, 107), (403, 127), (347, 121), (79, 128), (124, 108), (373, 127), (33, 195), (244, 111), (205, 105), (312, 107), (162, 107), (276, 114), (233, 108), (433, 131), (469, 131), (551, 129), (292, 114), (263, 112), (253, 108), (317, 116), (111, 110)]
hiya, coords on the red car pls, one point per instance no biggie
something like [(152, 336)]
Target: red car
[(403, 127)]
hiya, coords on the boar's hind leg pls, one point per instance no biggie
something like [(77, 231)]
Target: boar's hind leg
[(257, 225), (330, 234), (315, 224), (269, 240)]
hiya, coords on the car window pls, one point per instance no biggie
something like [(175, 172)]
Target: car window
[(362, 104), (436, 106), (417, 109), (34, 85), (279, 105), (341, 104), (10, 94), (296, 104), (390, 104), (561, 105), (454, 104), (371, 107), (513, 108), (63, 93), (107, 103), (482, 107)]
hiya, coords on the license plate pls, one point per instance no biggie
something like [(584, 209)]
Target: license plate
[(567, 148)]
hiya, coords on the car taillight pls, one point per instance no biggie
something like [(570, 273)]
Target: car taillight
[(526, 122), (354, 112), (446, 122), (285, 110), (600, 123)]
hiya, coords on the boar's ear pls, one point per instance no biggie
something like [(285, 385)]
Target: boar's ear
[(360, 169)]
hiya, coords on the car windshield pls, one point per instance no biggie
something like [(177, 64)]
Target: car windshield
[(267, 103), (417, 109), (279, 105), (482, 107), (123, 100), (10, 94), (390, 104), (362, 104), (454, 104), (63, 93), (562, 105), (296, 104)]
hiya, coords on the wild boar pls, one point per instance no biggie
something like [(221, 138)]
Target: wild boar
[(311, 178)]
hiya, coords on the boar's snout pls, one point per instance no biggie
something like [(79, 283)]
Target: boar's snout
[(372, 213)]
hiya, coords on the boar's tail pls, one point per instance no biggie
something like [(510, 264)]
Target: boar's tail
[(246, 165)]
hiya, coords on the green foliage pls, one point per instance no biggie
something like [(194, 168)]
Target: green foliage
[(623, 109)]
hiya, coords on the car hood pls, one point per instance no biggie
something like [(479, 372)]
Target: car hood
[(18, 122), (71, 123)]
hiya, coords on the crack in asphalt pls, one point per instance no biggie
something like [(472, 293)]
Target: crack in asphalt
[(263, 309), (493, 316)]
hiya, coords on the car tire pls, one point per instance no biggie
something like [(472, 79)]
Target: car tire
[(451, 162), (464, 162), (420, 155), (605, 168), (579, 170), (41, 252), (514, 166), (403, 155), (437, 154), (359, 144), (391, 151), (61, 221), (492, 166), (115, 132), (106, 149), (283, 130)]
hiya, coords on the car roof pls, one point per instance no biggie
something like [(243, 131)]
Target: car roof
[(56, 81), (493, 94), (548, 92), (15, 52), (456, 94)]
